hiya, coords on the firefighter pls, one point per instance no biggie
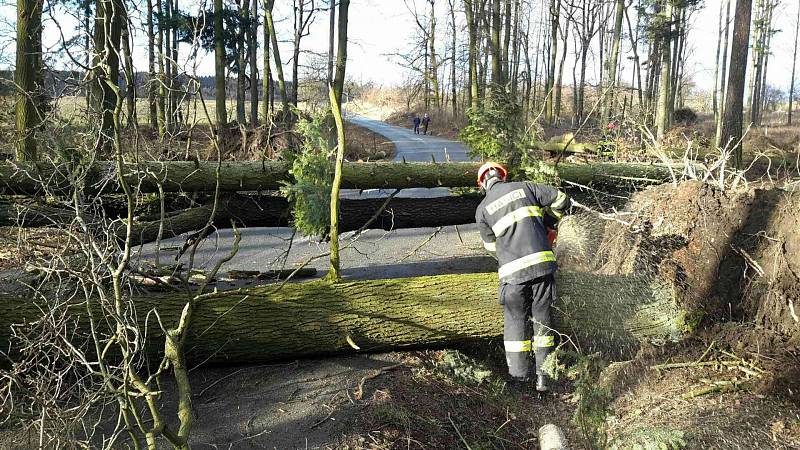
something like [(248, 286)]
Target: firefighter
[(513, 221)]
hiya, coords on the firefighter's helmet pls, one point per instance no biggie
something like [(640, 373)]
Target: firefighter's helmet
[(493, 169)]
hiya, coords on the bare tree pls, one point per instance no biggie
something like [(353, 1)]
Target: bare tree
[(302, 21), (28, 76), (794, 64), (734, 95), (219, 65)]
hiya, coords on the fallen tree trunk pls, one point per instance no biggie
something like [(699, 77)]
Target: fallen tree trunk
[(606, 312), (265, 211), (182, 176)]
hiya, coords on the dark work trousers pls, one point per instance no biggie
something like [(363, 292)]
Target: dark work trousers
[(416, 128), (526, 309)]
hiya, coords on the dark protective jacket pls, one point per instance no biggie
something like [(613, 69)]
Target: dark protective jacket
[(511, 220)]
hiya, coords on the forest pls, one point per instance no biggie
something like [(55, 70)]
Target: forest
[(252, 224)]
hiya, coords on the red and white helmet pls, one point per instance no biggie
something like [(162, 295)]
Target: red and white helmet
[(488, 167)]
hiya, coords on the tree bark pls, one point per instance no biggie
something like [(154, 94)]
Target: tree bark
[(105, 76), (276, 55), (151, 69), (549, 109), (662, 113), (266, 76), (794, 65), (28, 76), (734, 95), (219, 66), (241, 62), (264, 211), (434, 68), (613, 313), (472, 31), (186, 176), (341, 51), (252, 45), (612, 61)]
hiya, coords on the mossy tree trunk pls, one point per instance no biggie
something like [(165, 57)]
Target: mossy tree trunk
[(188, 176), (614, 313)]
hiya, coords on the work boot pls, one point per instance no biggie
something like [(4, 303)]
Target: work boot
[(542, 383), (519, 384)]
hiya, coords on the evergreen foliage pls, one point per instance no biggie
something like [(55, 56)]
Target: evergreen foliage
[(496, 130), (312, 170)]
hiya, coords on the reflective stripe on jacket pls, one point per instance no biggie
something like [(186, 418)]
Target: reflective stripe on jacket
[(511, 220)]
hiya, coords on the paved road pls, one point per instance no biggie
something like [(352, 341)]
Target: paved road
[(412, 148), (377, 254), (415, 147)]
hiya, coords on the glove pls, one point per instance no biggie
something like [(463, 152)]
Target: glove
[(552, 235)]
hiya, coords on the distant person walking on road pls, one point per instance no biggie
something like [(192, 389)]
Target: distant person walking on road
[(416, 123), (425, 122)]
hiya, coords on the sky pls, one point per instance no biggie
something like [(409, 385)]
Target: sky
[(379, 28)]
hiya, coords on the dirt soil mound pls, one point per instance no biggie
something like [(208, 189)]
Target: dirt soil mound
[(761, 277), (678, 234)]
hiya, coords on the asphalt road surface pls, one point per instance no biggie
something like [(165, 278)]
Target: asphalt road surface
[(376, 253), (415, 147)]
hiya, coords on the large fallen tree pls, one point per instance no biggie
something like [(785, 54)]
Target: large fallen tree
[(304, 319), (651, 279), (184, 176), (263, 211)]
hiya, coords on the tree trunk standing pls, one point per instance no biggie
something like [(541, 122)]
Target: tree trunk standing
[(612, 61), (637, 66), (434, 74), (534, 103), (105, 76), (266, 76), (679, 35), (762, 97), (794, 65), (558, 85), (276, 56), (454, 45), (161, 93), (152, 86), (335, 96), (714, 97), (581, 94), (549, 109), (494, 43), (27, 77), (219, 66), (252, 46), (723, 76), (662, 113), (331, 39), (734, 95), (341, 50), (174, 84), (472, 31), (169, 112), (758, 49), (298, 13), (241, 62), (130, 79), (513, 64), (504, 62)]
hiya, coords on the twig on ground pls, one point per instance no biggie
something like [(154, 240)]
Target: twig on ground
[(430, 238), (359, 392), (458, 432)]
